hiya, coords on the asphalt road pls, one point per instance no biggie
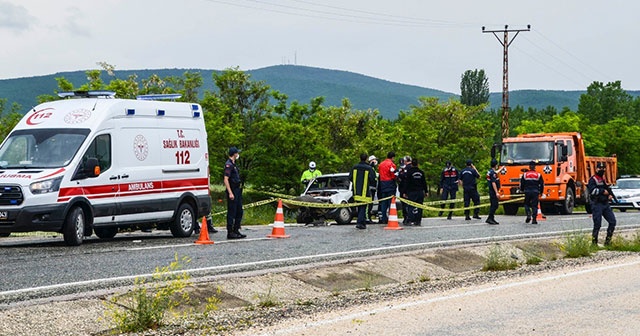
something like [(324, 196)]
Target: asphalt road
[(600, 299), (44, 266)]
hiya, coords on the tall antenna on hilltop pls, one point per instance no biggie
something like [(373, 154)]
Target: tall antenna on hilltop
[(505, 71)]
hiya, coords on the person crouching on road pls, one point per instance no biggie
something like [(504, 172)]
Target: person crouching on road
[(448, 186), (387, 185), (416, 189), (599, 194), (362, 176), (233, 191), (532, 184), (494, 186)]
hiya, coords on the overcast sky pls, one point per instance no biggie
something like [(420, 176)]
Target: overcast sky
[(420, 42)]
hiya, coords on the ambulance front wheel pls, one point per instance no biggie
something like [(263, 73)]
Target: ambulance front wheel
[(73, 230), (184, 222)]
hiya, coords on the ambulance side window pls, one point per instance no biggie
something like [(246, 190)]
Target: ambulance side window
[(100, 149)]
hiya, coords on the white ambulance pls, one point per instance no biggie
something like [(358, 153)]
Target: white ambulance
[(94, 163)]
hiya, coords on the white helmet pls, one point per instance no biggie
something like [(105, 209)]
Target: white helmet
[(312, 165)]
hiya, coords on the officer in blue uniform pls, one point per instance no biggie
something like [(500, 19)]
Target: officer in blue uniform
[(494, 185), (469, 176), (448, 186), (532, 184), (233, 191), (599, 194)]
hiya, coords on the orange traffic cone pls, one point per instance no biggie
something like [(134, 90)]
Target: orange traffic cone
[(204, 233), (392, 223), (540, 216), (278, 223)]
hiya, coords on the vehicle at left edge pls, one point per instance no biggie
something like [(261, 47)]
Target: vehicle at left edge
[(92, 163)]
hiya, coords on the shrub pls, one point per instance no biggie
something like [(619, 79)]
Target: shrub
[(499, 260), (578, 244)]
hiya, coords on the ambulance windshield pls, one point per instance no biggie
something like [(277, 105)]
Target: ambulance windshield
[(41, 148), (519, 153)]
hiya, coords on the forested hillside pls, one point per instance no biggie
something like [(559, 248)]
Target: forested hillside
[(301, 84)]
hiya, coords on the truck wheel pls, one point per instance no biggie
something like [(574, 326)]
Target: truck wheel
[(344, 216), (510, 209), (184, 222), (73, 230), (569, 202), (106, 232)]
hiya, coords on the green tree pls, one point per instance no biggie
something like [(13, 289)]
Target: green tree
[(437, 132), (603, 102), (474, 88)]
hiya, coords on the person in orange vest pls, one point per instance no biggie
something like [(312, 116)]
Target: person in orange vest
[(532, 184), (386, 185)]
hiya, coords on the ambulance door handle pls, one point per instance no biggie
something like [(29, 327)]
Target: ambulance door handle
[(125, 176), (114, 177)]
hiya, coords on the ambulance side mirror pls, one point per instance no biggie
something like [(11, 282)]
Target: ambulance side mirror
[(92, 167)]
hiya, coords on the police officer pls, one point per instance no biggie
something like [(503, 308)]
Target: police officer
[(405, 164), (469, 178), (373, 162), (233, 191), (310, 174), (448, 186), (532, 184), (494, 185), (362, 176), (600, 194), (416, 188)]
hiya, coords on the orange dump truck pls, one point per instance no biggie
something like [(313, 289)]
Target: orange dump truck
[(560, 158)]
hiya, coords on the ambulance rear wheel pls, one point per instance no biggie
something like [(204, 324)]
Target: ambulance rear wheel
[(73, 230), (184, 222), (106, 233)]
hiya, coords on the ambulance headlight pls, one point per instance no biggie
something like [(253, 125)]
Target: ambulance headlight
[(46, 186)]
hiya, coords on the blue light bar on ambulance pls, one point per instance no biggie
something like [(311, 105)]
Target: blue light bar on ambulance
[(87, 94), (160, 112), (131, 111), (196, 110), (164, 96)]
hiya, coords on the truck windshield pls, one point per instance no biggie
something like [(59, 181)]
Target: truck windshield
[(41, 148), (525, 152)]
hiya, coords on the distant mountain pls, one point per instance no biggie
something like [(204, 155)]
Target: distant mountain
[(303, 83)]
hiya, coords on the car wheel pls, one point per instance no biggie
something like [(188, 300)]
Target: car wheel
[(623, 210), (106, 232), (303, 217), (5, 234), (344, 216), (184, 222), (73, 230)]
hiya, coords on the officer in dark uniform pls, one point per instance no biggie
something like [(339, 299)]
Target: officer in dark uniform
[(233, 191), (416, 189), (469, 177), (448, 186), (494, 186), (600, 194), (362, 176), (532, 184)]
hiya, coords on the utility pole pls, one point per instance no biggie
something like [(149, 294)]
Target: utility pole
[(505, 71)]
